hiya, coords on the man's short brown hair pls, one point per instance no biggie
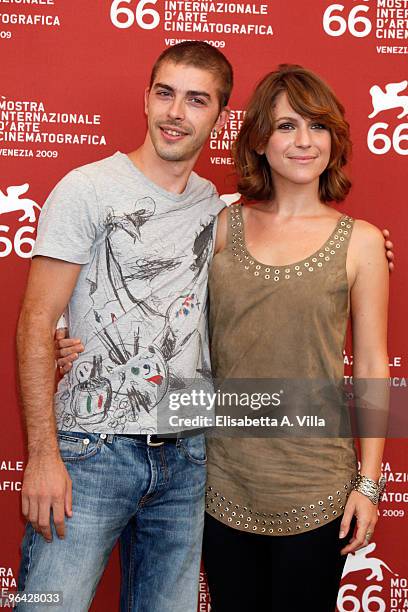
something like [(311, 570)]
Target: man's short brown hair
[(200, 54)]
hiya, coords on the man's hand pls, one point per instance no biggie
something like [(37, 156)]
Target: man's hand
[(389, 249), (66, 349), (47, 487)]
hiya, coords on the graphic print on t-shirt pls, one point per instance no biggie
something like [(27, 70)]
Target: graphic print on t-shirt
[(140, 302), (145, 342)]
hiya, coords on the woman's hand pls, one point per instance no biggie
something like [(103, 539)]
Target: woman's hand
[(366, 512), (66, 350)]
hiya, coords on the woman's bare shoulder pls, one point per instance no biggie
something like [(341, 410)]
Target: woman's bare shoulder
[(366, 234), (367, 247)]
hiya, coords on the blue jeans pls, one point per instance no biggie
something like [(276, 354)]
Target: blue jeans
[(152, 498)]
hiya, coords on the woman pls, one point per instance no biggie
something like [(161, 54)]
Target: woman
[(280, 509)]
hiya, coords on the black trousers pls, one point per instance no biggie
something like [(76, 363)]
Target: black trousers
[(248, 572)]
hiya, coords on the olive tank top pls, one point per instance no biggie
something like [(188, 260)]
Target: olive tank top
[(275, 322)]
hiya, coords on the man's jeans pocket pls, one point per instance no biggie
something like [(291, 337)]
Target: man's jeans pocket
[(77, 446), (193, 449)]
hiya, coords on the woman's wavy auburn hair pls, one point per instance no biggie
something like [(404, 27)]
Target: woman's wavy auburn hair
[(310, 97)]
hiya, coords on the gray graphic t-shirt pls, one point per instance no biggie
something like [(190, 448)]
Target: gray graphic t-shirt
[(140, 303)]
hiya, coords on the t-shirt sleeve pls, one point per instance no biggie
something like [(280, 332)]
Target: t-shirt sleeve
[(69, 220), (214, 234), (216, 204)]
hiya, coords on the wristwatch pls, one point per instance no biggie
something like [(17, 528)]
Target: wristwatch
[(369, 487)]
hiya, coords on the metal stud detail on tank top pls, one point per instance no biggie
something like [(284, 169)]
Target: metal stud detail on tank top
[(304, 521), (239, 250)]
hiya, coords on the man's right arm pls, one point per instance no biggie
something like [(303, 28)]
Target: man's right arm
[(46, 485)]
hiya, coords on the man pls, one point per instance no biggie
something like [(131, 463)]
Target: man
[(124, 244)]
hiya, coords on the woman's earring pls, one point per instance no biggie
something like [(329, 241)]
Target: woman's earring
[(214, 133)]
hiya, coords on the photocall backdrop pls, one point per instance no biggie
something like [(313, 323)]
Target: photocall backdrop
[(71, 92)]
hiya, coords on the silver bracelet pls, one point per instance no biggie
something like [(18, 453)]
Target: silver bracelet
[(368, 487)]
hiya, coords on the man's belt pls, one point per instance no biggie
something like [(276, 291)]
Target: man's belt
[(150, 439)]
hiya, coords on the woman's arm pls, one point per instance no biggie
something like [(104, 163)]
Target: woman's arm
[(369, 307)]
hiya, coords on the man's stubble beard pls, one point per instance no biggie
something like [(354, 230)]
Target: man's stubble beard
[(175, 154)]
